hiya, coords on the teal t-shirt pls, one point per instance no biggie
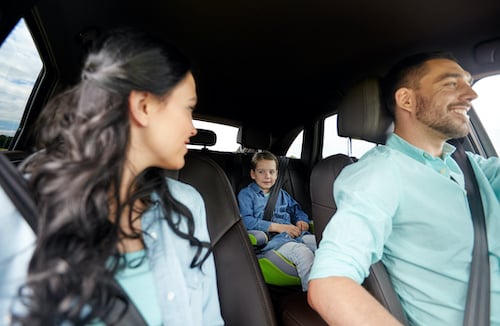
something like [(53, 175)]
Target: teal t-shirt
[(137, 280)]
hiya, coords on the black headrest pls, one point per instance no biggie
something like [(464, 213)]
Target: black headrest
[(204, 137), (253, 138), (362, 114)]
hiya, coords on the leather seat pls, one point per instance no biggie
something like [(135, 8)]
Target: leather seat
[(362, 116), (244, 297)]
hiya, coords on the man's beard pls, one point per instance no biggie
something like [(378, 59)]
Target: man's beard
[(439, 121)]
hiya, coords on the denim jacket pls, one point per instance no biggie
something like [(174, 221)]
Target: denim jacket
[(252, 203)]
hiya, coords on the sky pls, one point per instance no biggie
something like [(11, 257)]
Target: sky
[(20, 66)]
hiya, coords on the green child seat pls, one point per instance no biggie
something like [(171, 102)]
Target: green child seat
[(276, 269)]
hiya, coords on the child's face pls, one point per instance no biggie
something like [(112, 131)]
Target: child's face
[(265, 174)]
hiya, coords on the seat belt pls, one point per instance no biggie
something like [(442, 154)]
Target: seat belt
[(271, 202), (16, 188), (477, 309)]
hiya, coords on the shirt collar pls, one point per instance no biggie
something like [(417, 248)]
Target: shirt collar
[(255, 187), (398, 143)]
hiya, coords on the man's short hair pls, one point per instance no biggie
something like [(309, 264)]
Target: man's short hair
[(405, 73)]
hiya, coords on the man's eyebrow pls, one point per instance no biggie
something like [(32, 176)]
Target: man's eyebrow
[(465, 76)]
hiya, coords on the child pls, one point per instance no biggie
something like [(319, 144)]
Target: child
[(289, 224)]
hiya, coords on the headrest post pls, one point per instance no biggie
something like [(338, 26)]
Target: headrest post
[(349, 146)]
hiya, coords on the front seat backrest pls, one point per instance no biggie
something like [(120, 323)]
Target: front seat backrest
[(361, 115), (243, 295)]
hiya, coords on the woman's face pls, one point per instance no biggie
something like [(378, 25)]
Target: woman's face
[(169, 126)]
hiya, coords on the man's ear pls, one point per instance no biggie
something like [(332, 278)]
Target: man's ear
[(405, 99), (138, 106)]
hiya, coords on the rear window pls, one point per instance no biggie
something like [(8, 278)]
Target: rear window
[(226, 136)]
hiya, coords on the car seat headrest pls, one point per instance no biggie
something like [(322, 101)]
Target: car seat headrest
[(204, 138), (362, 114), (253, 138)]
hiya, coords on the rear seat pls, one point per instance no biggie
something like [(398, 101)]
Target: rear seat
[(290, 303), (237, 165), (244, 298)]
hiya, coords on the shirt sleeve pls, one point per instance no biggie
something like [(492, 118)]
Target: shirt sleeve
[(246, 200), (204, 303), (491, 169), (211, 307), (366, 194)]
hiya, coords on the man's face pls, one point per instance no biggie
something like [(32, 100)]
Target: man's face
[(443, 99)]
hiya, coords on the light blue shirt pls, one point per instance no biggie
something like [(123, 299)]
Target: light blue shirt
[(399, 204), (186, 296), (17, 242)]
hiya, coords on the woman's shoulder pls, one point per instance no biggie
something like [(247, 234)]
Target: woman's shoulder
[(180, 189)]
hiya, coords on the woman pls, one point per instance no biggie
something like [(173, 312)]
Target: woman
[(106, 208)]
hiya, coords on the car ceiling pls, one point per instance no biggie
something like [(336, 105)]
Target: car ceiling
[(279, 63)]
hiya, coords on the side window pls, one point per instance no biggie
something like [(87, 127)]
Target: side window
[(334, 144), (295, 149), (487, 107), (226, 136), (20, 66)]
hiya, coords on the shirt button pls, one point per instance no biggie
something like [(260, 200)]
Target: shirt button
[(153, 235), (170, 296), (442, 171)]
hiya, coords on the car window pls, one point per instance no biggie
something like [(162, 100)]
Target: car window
[(334, 144), (226, 136), (20, 66), (295, 149), (487, 107)]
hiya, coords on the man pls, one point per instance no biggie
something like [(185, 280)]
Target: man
[(405, 203)]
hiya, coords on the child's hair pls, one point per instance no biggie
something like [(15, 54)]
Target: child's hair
[(263, 155)]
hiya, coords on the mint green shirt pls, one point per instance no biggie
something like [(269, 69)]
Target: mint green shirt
[(400, 205)]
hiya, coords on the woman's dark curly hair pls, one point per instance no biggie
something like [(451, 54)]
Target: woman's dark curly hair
[(83, 138)]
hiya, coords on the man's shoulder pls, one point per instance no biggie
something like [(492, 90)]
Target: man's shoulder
[(380, 153), (374, 162)]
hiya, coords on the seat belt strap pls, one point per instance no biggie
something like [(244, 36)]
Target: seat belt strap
[(16, 188), (477, 309), (271, 202)]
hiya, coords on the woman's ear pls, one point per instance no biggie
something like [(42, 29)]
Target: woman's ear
[(405, 99), (138, 106)]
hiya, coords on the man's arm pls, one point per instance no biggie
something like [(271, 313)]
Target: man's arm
[(342, 301)]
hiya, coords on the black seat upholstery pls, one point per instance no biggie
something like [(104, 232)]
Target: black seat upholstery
[(322, 176), (289, 302), (361, 116), (244, 297)]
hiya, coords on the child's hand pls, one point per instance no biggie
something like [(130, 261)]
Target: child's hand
[(303, 226), (292, 230)]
